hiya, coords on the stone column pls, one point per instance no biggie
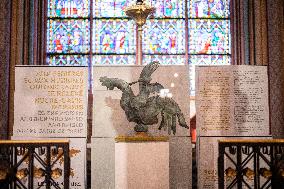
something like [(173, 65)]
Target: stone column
[(5, 15), (276, 66)]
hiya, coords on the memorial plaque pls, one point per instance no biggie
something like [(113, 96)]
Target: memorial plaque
[(50, 101), (207, 162), (109, 120), (232, 101), (77, 153)]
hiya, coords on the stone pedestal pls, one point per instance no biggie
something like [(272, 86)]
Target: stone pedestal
[(142, 163), (105, 155)]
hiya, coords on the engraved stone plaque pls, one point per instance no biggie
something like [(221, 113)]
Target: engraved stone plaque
[(232, 101), (50, 101)]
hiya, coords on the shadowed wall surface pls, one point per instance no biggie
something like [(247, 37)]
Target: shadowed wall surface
[(5, 13), (276, 66)]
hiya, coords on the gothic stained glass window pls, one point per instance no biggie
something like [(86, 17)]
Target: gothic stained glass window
[(209, 8), (165, 59), (89, 32), (68, 8), (168, 8), (209, 41), (164, 33), (114, 36), (164, 36), (68, 36), (209, 36), (110, 8), (67, 60), (68, 32), (114, 59), (113, 39)]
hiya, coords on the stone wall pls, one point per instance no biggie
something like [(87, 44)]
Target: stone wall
[(276, 66), (5, 15)]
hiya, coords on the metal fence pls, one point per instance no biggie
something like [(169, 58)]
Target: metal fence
[(34, 164), (251, 164)]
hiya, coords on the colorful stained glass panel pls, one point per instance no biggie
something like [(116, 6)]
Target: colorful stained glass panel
[(164, 36), (68, 60), (114, 36), (110, 8), (165, 59), (209, 36), (209, 8), (68, 36), (209, 60), (114, 60), (68, 8), (168, 8)]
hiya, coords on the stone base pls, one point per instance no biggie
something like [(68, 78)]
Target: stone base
[(142, 165), (105, 156)]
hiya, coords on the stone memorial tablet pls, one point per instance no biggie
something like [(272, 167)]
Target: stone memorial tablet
[(50, 101), (232, 101)]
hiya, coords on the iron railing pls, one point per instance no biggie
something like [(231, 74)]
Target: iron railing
[(253, 164), (34, 164)]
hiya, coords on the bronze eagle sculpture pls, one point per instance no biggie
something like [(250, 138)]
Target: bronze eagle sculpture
[(144, 109)]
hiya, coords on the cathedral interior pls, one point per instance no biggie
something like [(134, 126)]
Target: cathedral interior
[(97, 37)]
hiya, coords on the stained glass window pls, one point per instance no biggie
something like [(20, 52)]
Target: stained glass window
[(68, 32), (168, 8), (209, 41), (68, 36), (209, 36), (68, 8), (209, 8), (90, 32), (114, 36), (110, 8), (164, 37)]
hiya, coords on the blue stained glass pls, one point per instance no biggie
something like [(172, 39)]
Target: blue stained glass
[(165, 59), (68, 36), (209, 8), (164, 36), (168, 8), (110, 8), (68, 8), (114, 60), (68, 60), (209, 36), (114, 36)]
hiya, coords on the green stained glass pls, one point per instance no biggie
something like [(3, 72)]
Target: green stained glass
[(209, 8), (164, 36), (68, 36), (114, 60), (165, 59), (68, 60), (68, 8), (114, 36), (209, 36)]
